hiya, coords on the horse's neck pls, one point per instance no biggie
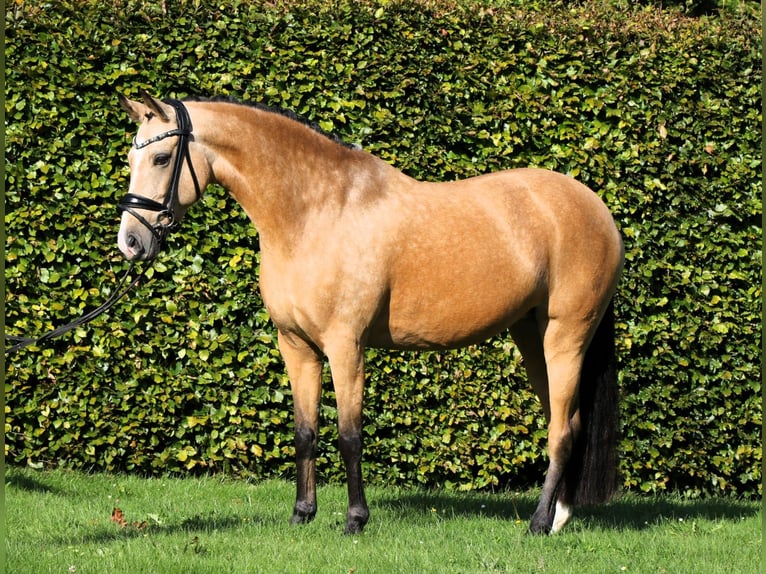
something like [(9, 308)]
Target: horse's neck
[(277, 169)]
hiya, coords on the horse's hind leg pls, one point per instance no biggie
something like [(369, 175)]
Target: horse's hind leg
[(553, 363), (528, 338), (304, 368)]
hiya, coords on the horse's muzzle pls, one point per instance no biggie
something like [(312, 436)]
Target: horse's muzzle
[(137, 246)]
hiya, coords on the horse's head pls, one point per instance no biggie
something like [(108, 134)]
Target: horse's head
[(165, 175)]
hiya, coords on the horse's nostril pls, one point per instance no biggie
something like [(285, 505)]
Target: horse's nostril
[(134, 245)]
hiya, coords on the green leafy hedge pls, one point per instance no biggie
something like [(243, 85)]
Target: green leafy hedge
[(658, 112)]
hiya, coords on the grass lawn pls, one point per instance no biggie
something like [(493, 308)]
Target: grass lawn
[(62, 522)]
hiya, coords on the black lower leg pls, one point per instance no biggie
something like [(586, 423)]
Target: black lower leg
[(542, 519), (553, 488), (358, 513), (305, 457)]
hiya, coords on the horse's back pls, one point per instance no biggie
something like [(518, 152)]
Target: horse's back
[(540, 215)]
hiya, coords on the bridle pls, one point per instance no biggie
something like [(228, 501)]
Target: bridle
[(167, 221)]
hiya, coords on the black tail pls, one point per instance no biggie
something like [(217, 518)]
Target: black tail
[(591, 475)]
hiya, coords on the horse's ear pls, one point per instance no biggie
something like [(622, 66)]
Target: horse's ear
[(155, 105), (133, 108)]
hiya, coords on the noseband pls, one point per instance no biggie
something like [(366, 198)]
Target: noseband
[(166, 218)]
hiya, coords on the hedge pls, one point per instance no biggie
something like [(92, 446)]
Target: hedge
[(657, 111)]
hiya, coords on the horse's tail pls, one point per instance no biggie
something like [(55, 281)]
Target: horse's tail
[(591, 475)]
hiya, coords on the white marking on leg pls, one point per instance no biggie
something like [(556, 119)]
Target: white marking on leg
[(562, 516)]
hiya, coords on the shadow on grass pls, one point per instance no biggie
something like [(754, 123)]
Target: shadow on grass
[(29, 484), (446, 504), (636, 513), (190, 528), (628, 511)]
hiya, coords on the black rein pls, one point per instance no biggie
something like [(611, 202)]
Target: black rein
[(119, 293)]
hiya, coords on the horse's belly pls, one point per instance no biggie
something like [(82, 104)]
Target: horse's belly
[(444, 332)]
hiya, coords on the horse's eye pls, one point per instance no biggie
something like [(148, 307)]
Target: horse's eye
[(162, 159)]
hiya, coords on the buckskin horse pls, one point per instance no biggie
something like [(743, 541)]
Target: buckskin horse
[(354, 253)]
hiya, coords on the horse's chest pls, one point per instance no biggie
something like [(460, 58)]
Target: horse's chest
[(283, 288), (310, 294)]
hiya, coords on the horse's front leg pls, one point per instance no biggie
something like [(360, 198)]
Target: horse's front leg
[(347, 367), (304, 368)]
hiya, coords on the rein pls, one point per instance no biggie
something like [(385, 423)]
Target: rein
[(166, 223), (119, 293)]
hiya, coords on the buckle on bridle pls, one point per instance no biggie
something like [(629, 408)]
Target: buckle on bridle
[(171, 224)]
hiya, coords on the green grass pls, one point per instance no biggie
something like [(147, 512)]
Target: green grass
[(60, 522)]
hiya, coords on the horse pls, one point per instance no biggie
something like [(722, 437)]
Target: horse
[(356, 254)]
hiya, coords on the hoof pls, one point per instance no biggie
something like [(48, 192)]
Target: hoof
[(303, 514), (355, 522), (298, 519), (353, 528), (539, 529), (540, 524)]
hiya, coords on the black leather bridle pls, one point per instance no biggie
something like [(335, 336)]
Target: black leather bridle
[(167, 221)]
